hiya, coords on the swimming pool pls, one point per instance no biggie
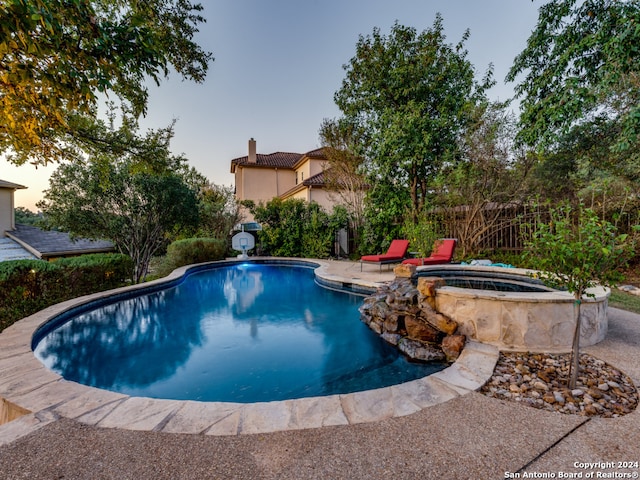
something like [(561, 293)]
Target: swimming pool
[(229, 332)]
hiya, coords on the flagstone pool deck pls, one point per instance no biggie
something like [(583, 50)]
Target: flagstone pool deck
[(436, 427)]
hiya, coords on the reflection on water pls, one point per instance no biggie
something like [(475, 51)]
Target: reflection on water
[(104, 347), (242, 286), (241, 333)]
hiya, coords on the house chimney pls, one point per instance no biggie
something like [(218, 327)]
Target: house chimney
[(252, 151)]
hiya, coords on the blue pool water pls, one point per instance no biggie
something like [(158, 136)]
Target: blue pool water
[(241, 333)]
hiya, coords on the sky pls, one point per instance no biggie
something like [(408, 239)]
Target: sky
[(278, 64)]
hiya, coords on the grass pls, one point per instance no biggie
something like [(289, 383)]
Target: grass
[(624, 301)]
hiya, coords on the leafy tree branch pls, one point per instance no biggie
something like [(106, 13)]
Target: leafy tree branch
[(57, 57)]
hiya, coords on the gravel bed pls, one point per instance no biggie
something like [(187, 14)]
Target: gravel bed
[(540, 381)]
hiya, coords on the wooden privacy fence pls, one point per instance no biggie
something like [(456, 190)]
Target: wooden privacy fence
[(491, 227), (504, 227)]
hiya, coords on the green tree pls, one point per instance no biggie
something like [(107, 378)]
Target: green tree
[(410, 93), (578, 80), (577, 250), (218, 211), (57, 57), (139, 206), (26, 217), (422, 235), (581, 66), (581, 168), (472, 194), (295, 228)]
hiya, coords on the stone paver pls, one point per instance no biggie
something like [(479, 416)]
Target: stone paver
[(472, 369), (201, 417), (25, 425), (137, 413)]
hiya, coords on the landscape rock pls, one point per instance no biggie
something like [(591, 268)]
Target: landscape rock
[(392, 338), (404, 271), (510, 383), (440, 322), (452, 346), (420, 350), (390, 324), (427, 286), (404, 317), (419, 330)]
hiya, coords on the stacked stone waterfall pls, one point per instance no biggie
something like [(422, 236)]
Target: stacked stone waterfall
[(405, 315)]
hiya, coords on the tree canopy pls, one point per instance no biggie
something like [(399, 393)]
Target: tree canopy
[(410, 92), (472, 194), (581, 65), (218, 211), (57, 57), (344, 172), (138, 205)]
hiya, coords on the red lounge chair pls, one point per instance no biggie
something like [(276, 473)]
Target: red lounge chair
[(443, 253), (396, 252)]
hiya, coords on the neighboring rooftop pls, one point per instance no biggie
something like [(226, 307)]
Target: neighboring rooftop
[(11, 250), (14, 186), (47, 244), (317, 153), (316, 180)]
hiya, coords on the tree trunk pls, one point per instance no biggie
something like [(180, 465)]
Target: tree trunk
[(574, 366)]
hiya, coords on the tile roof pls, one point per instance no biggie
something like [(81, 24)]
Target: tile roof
[(317, 153), (277, 159), (315, 180), (321, 180), (49, 243)]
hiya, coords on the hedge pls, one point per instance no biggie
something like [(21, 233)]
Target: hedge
[(27, 286)]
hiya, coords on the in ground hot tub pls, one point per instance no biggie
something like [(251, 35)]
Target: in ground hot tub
[(510, 309)]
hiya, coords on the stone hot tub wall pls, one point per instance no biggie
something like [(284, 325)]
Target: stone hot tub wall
[(526, 321), (404, 312)]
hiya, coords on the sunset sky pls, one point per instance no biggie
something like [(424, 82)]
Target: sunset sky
[(278, 64)]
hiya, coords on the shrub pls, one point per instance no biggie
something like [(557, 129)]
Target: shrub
[(95, 272), (27, 286), (295, 228), (190, 251), (422, 235)]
